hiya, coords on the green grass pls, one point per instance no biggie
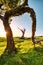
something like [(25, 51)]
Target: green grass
[(26, 55)]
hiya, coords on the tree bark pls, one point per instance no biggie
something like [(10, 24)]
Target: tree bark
[(16, 12), (10, 42), (21, 10)]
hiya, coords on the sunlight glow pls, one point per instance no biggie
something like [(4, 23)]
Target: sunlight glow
[(2, 31), (14, 27)]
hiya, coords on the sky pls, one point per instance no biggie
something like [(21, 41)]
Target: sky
[(24, 21)]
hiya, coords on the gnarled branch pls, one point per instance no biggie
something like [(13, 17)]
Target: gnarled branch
[(21, 10)]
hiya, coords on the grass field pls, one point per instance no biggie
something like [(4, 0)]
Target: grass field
[(26, 55)]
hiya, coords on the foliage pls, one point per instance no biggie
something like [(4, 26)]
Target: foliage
[(11, 3)]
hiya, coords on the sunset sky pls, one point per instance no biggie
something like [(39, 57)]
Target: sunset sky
[(25, 21)]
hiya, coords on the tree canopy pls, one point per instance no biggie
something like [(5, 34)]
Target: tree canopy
[(11, 3), (14, 8)]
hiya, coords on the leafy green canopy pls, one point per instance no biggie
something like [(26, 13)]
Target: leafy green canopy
[(11, 3)]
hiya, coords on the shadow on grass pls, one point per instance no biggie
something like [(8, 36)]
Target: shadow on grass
[(12, 59), (34, 56), (19, 41), (39, 49)]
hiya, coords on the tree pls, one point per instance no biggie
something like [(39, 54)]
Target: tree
[(16, 10), (23, 32)]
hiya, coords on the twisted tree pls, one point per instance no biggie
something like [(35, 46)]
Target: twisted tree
[(23, 32), (16, 11)]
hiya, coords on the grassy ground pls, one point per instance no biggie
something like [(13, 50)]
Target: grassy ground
[(26, 55)]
